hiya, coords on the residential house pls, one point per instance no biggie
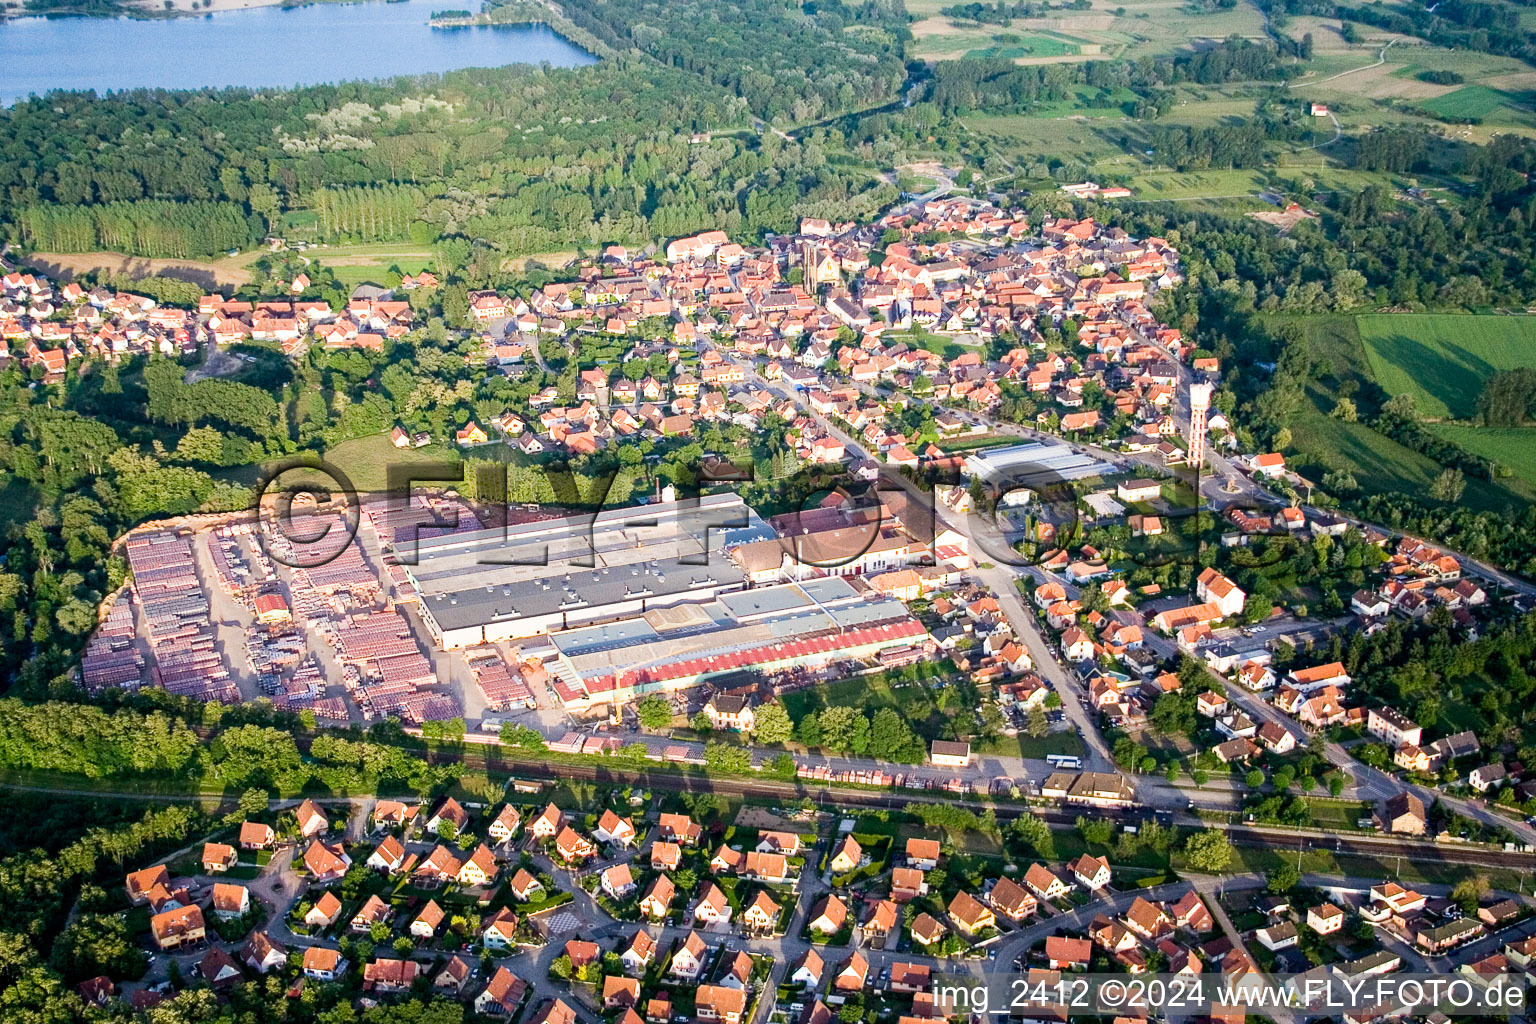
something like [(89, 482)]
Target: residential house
[(1325, 919), (504, 826), (572, 846), (719, 1003), (618, 881), (637, 956), (969, 914), (806, 971), (1067, 954), (311, 820), (454, 976), (1391, 725), (1403, 813), (613, 829), (1091, 872), (1214, 588), (1489, 776), (1277, 936), (907, 884), (451, 814), (230, 901), (373, 911), (500, 930), (480, 869), (427, 922), (218, 858), (666, 856), (174, 929), (261, 953), (388, 976), (1044, 883), (1190, 913), (325, 911), (829, 915), (1012, 900), (853, 974), (256, 836), (388, 856), (689, 959), (680, 828), (926, 931), (847, 857), (322, 964), (325, 862), (657, 901), (730, 711), (923, 854), (620, 992), (712, 907), (525, 886), (503, 995), (762, 914), (1148, 920)]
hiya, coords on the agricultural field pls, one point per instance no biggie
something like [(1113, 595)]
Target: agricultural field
[(1514, 448), (1012, 45), (1477, 101), (1108, 29), (1443, 359), (1228, 184), (1321, 443), (1369, 87), (370, 264)]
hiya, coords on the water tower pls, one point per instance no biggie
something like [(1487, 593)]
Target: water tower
[(1199, 405)]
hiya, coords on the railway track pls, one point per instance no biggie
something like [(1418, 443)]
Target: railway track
[(1419, 850)]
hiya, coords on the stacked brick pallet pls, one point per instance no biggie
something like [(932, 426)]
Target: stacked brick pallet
[(176, 612), (111, 659)]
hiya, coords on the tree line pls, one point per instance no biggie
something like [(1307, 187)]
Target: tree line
[(145, 227)]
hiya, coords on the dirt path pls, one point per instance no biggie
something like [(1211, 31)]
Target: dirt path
[(1381, 59)]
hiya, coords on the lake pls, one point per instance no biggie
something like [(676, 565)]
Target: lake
[(261, 47)]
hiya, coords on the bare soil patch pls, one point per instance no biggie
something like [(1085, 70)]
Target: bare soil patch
[(65, 266)]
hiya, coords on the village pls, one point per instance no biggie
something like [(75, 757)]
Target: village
[(877, 365), (616, 907), (1022, 553)]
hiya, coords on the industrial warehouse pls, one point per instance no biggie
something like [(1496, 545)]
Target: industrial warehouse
[(769, 629), (484, 586), (1033, 465)]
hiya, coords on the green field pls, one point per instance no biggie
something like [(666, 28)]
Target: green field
[(1032, 44), (1469, 101), (1443, 359), (1379, 465), (1514, 448)]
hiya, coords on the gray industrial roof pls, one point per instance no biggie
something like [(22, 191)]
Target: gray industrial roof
[(1033, 464)]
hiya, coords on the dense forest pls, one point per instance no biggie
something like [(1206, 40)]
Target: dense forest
[(528, 158)]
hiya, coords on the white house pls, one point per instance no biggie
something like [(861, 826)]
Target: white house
[(1214, 588)]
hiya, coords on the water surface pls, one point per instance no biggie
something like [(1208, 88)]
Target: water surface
[(261, 47)]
